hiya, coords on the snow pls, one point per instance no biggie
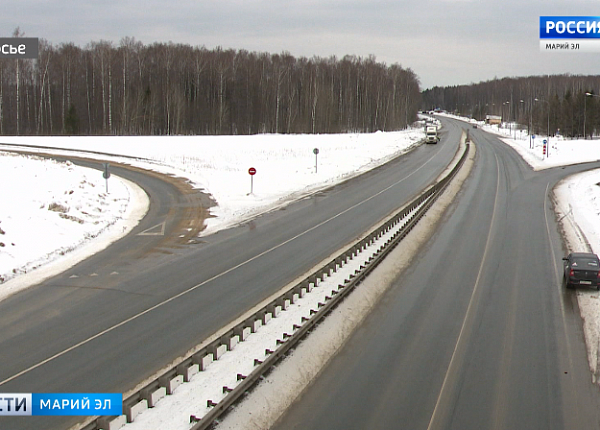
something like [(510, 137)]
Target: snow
[(33, 237), (57, 212), (560, 151), (285, 164)]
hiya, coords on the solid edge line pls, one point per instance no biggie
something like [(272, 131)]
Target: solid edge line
[(470, 306)]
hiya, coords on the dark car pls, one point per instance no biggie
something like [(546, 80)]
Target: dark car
[(582, 268)]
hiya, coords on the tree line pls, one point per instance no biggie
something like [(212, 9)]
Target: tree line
[(568, 105), (169, 89)]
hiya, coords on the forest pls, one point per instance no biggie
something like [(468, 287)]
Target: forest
[(568, 105), (177, 89)]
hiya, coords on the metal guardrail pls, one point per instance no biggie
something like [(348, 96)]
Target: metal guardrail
[(414, 210)]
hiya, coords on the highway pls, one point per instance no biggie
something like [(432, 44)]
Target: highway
[(118, 317), (477, 333)]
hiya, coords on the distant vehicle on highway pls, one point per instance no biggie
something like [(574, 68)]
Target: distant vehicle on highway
[(431, 135), (582, 268)]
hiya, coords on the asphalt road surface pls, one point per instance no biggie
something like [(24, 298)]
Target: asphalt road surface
[(477, 333), (118, 317)]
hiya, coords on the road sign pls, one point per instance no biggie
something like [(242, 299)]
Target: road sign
[(316, 152), (106, 174), (252, 172), (545, 152)]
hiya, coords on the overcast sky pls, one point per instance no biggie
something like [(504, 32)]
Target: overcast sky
[(445, 42)]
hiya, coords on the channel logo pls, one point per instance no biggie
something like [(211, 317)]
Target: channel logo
[(569, 27), (46, 404), (570, 33)]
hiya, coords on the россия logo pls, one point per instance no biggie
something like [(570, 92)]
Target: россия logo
[(570, 33)]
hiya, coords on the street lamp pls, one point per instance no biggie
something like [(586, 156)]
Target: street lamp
[(529, 123), (507, 120), (585, 111)]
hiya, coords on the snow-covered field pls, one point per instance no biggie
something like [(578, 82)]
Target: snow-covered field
[(51, 211), (52, 208), (286, 165)]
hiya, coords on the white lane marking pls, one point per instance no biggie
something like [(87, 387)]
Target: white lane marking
[(157, 230), (470, 307), (166, 301)]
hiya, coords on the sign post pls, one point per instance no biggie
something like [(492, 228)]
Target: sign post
[(316, 152), (106, 174), (545, 152), (252, 172)]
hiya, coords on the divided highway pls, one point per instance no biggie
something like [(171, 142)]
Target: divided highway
[(117, 318), (477, 333)]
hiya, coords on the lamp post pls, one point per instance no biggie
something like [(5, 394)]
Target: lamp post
[(530, 125), (507, 116), (585, 111), (529, 122)]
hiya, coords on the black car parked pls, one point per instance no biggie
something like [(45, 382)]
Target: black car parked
[(582, 268)]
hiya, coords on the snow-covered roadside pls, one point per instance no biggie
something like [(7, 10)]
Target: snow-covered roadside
[(561, 151), (54, 214), (287, 169), (579, 211)]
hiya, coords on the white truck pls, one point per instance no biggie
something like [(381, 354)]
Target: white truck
[(431, 135)]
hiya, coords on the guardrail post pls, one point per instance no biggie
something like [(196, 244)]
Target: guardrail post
[(242, 331), (153, 395), (111, 423), (331, 268), (132, 411)]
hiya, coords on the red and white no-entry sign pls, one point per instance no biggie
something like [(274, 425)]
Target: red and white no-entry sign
[(252, 172)]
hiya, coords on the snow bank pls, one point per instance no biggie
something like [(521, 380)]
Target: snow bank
[(51, 211)]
